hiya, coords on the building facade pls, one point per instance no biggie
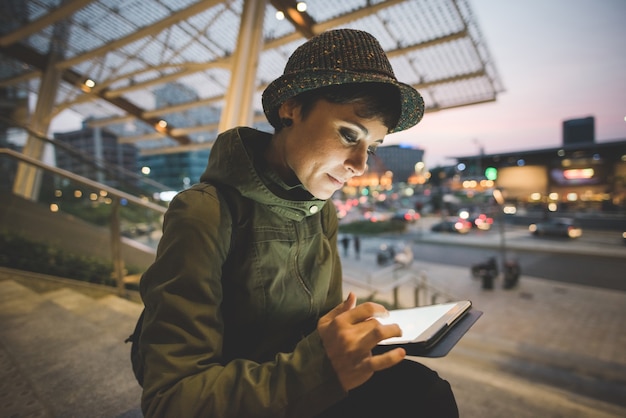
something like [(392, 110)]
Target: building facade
[(578, 176), (178, 171), (89, 147)]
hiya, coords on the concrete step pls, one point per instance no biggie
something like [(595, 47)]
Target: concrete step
[(577, 373), (75, 368), (497, 378), (110, 313)]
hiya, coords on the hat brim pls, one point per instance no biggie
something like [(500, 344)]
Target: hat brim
[(290, 85)]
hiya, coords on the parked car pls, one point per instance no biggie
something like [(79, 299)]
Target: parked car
[(459, 226), (556, 227)]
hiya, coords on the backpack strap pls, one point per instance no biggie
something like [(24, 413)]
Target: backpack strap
[(135, 358)]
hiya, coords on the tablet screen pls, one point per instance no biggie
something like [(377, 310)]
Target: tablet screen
[(417, 323)]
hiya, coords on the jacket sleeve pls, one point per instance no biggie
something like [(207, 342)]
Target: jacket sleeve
[(181, 340)]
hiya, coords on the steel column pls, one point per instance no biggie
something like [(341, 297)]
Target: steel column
[(28, 178), (237, 109)]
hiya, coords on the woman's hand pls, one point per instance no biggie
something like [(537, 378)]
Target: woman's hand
[(349, 333)]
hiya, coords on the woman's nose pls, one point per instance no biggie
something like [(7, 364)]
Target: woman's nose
[(357, 161)]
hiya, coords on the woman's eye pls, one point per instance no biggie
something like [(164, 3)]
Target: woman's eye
[(349, 135)]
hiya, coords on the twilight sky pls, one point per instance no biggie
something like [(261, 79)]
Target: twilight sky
[(557, 60)]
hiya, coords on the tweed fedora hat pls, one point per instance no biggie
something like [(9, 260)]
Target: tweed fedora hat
[(338, 57)]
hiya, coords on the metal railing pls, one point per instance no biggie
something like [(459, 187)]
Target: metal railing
[(115, 199), (392, 278)]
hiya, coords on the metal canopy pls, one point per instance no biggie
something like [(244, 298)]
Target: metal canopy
[(171, 60)]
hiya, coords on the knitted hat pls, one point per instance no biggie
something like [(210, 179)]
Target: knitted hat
[(338, 57)]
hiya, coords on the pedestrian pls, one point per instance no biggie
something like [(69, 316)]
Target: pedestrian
[(357, 247), (244, 310), (345, 242)]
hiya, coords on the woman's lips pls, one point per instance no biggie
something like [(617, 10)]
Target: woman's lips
[(336, 181)]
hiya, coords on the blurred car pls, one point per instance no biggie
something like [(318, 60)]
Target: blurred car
[(406, 215), (385, 255), (374, 216), (557, 227), (477, 220), (460, 226), (481, 221), (509, 209)]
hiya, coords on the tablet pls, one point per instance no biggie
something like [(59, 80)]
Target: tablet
[(424, 325)]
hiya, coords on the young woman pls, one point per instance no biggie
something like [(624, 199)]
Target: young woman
[(244, 311)]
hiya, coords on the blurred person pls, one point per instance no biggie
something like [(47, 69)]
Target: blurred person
[(244, 309), (345, 242)]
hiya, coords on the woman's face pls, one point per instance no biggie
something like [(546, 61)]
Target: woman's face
[(328, 147)]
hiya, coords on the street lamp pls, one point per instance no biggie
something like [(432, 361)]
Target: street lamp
[(499, 197), (510, 270)]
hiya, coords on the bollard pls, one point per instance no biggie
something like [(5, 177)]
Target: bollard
[(511, 274), (487, 279)]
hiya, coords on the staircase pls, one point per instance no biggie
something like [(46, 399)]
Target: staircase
[(62, 352)]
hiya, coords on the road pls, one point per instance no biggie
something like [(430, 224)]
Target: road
[(588, 270), (551, 262)]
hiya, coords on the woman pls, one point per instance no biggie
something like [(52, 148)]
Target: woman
[(243, 305)]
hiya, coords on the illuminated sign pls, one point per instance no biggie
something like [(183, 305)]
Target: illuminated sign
[(577, 176), (578, 173)]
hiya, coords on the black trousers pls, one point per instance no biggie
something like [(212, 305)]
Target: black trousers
[(408, 389)]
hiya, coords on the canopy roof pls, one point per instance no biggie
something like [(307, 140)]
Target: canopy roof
[(172, 60)]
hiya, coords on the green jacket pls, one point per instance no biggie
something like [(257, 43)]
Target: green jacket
[(238, 338)]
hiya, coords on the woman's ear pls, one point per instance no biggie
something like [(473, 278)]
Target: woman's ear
[(287, 110)]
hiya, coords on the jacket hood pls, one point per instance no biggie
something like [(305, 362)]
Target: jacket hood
[(236, 160)]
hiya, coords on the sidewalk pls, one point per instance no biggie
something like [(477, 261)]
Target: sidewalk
[(541, 349)]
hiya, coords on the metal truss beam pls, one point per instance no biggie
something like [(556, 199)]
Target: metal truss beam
[(61, 12), (142, 33), (37, 60)]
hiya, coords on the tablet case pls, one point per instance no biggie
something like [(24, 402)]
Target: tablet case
[(444, 345)]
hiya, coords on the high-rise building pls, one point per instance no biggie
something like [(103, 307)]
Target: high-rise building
[(579, 131), (177, 171), (97, 145), (399, 159)]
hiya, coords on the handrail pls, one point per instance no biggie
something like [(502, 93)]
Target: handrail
[(83, 180), (97, 164), (388, 280), (116, 196)]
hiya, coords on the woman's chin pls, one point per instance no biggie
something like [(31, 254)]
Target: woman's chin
[(322, 194)]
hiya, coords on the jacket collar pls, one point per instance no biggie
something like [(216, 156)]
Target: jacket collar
[(236, 160)]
